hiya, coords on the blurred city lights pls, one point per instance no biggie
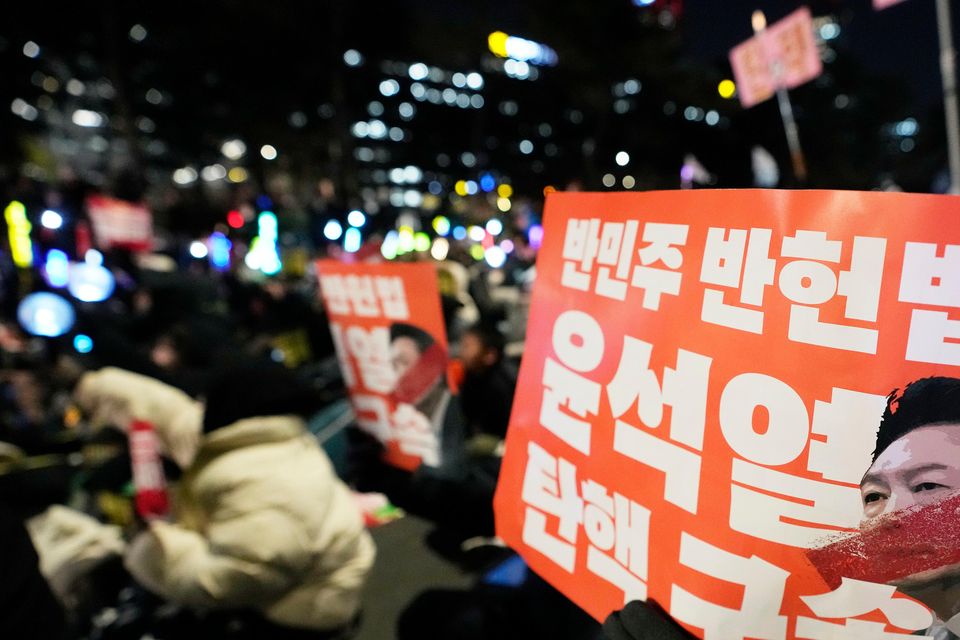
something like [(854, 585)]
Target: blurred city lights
[(86, 118), (235, 219), (504, 191), (213, 173), (154, 96), (406, 241), (75, 87), (507, 246), (609, 180), (185, 175), (629, 182), (460, 187), (352, 240), (830, 31), (422, 241), (352, 58), (520, 49), (45, 314), (412, 198), (219, 246), (406, 110), (535, 236), (494, 227), (907, 127), (388, 249), (526, 147), (137, 33), (50, 219), (459, 233), (389, 88), (24, 109), (418, 71), (31, 49), (94, 257), (487, 183), (476, 252), (332, 230), (712, 118), (622, 158), (495, 257), (472, 187), (18, 229), (198, 250), (475, 81), (356, 218), (233, 149), (237, 174), (268, 152), (57, 268), (89, 282), (412, 174), (476, 233), (441, 225), (440, 249), (726, 89), (82, 343), (758, 20), (504, 204)]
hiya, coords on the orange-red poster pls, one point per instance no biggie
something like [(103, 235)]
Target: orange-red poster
[(746, 406), (388, 330)]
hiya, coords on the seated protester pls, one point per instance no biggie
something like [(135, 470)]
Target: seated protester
[(261, 522), (486, 393)]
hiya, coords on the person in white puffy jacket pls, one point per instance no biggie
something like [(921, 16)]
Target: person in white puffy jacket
[(261, 522)]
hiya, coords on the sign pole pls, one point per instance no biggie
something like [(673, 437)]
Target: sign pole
[(759, 21), (948, 71)]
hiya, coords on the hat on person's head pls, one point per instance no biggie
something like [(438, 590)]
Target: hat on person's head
[(250, 391)]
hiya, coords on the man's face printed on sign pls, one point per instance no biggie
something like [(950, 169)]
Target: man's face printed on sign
[(404, 353), (922, 467)]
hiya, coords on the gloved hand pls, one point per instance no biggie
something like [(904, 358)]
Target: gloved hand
[(643, 621)]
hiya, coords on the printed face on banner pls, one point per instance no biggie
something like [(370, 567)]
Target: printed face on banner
[(392, 351), (752, 417)]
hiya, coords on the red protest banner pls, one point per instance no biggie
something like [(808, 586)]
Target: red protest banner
[(388, 330), (704, 416), (785, 54), (120, 224)]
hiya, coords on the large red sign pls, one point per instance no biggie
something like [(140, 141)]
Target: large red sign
[(388, 330), (745, 405)]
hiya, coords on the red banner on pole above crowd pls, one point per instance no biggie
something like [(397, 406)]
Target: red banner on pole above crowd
[(883, 4), (782, 55), (389, 335), (120, 224), (743, 405)]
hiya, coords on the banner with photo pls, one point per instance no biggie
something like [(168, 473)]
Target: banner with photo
[(744, 405), (389, 335)]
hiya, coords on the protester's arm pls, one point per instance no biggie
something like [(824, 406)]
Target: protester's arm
[(643, 621), (115, 396)]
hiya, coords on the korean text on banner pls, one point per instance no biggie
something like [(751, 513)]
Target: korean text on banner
[(784, 55), (744, 405), (120, 224), (390, 340)]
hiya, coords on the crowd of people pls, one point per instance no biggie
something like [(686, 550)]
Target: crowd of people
[(259, 532)]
